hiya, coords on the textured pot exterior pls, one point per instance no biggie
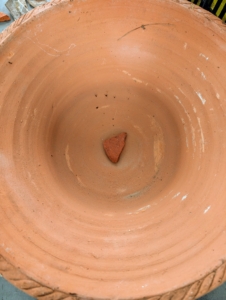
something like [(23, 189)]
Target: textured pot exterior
[(118, 249)]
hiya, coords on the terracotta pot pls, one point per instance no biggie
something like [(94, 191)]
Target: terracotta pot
[(75, 225)]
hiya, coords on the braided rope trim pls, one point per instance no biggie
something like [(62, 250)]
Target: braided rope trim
[(26, 17), (30, 286), (214, 20), (41, 292), (31, 14)]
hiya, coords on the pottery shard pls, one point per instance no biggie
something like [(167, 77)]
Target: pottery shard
[(4, 17), (114, 146)]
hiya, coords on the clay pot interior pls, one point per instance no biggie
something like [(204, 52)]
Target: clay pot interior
[(77, 74)]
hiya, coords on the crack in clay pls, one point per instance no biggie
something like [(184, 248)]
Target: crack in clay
[(58, 52), (144, 27)]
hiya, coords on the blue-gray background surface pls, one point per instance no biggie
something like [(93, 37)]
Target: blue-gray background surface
[(9, 292)]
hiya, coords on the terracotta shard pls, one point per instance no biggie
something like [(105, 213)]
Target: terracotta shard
[(4, 17), (114, 146)]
